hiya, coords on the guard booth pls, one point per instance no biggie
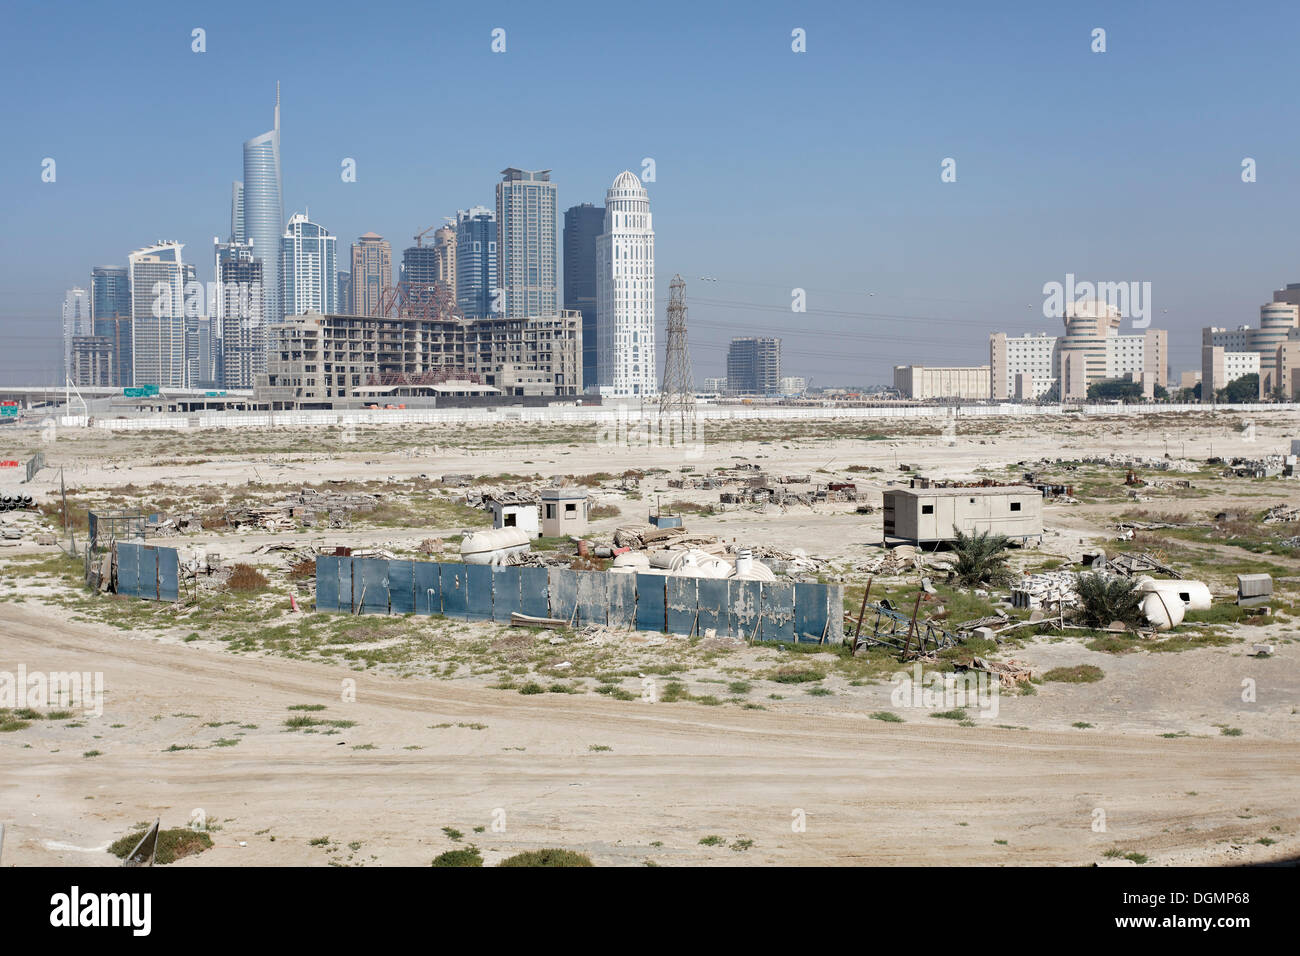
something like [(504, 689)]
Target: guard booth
[(564, 512)]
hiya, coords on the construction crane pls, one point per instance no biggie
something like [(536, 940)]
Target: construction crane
[(419, 236)]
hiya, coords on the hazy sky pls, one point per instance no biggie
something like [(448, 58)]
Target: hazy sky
[(774, 169)]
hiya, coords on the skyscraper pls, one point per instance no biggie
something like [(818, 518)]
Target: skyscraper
[(444, 259), (345, 293), (625, 293), (263, 209), (238, 330), (527, 263), (582, 225), (308, 268), (110, 307), (476, 261), (372, 273), (419, 272), (76, 321), (237, 212), (158, 278), (754, 366), (110, 292)]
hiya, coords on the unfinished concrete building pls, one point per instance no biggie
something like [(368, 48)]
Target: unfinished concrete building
[(325, 358), (929, 515)]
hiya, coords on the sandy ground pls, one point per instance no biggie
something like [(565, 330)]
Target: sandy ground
[(871, 792)]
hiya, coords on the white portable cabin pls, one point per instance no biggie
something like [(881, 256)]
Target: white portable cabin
[(928, 515)]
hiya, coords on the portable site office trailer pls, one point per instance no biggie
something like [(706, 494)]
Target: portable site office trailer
[(927, 515)]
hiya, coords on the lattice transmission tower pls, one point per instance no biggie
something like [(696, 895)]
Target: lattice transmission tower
[(677, 396)]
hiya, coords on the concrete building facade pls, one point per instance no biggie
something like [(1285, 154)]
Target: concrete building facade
[(323, 358), (925, 383)]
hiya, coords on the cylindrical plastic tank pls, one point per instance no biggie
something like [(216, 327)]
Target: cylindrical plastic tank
[(1194, 595), (637, 560), (493, 547), (1162, 610)]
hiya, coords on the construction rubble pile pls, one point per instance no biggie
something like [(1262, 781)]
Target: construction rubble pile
[(1046, 589), (1269, 466), (1281, 513), (897, 560)]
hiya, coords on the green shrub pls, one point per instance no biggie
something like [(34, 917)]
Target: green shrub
[(548, 857)]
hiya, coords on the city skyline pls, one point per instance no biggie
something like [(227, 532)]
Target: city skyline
[(891, 259)]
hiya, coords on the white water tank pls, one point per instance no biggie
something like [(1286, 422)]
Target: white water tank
[(493, 547), (1162, 610), (1194, 595)]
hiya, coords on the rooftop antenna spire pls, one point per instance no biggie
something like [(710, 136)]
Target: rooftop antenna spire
[(277, 106)]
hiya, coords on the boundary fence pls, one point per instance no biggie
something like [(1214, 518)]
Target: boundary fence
[(782, 611)]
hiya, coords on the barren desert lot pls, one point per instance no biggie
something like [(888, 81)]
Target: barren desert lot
[(1162, 758)]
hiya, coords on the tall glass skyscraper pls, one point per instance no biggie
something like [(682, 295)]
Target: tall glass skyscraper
[(527, 260), (110, 292), (263, 209), (582, 224), (476, 261), (308, 268), (110, 307), (238, 332), (76, 321), (158, 279), (237, 212)]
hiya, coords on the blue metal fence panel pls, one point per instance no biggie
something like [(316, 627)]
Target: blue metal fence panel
[(128, 568), (777, 620), (370, 585), (327, 583), (533, 597), (593, 598), (428, 595), (505, 593), (651, 608), (743, 600), (621, 599), (455, 591), (712, 598), (169, 571), (563, 585), (401, 586), (347, 598), (479, 579), (809, 612), (147, 587), (683, 602)]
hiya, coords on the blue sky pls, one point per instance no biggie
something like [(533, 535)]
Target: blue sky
[(775, 170)]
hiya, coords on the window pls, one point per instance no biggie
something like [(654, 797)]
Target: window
[(570, 511), (550, 511), (508, 521), (927, 509), (1015, 506)]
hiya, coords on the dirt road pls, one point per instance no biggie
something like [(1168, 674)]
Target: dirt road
[(674, 774)]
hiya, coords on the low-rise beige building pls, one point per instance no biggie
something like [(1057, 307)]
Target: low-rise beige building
[(323, 358), (923, 382), (927, 515)]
